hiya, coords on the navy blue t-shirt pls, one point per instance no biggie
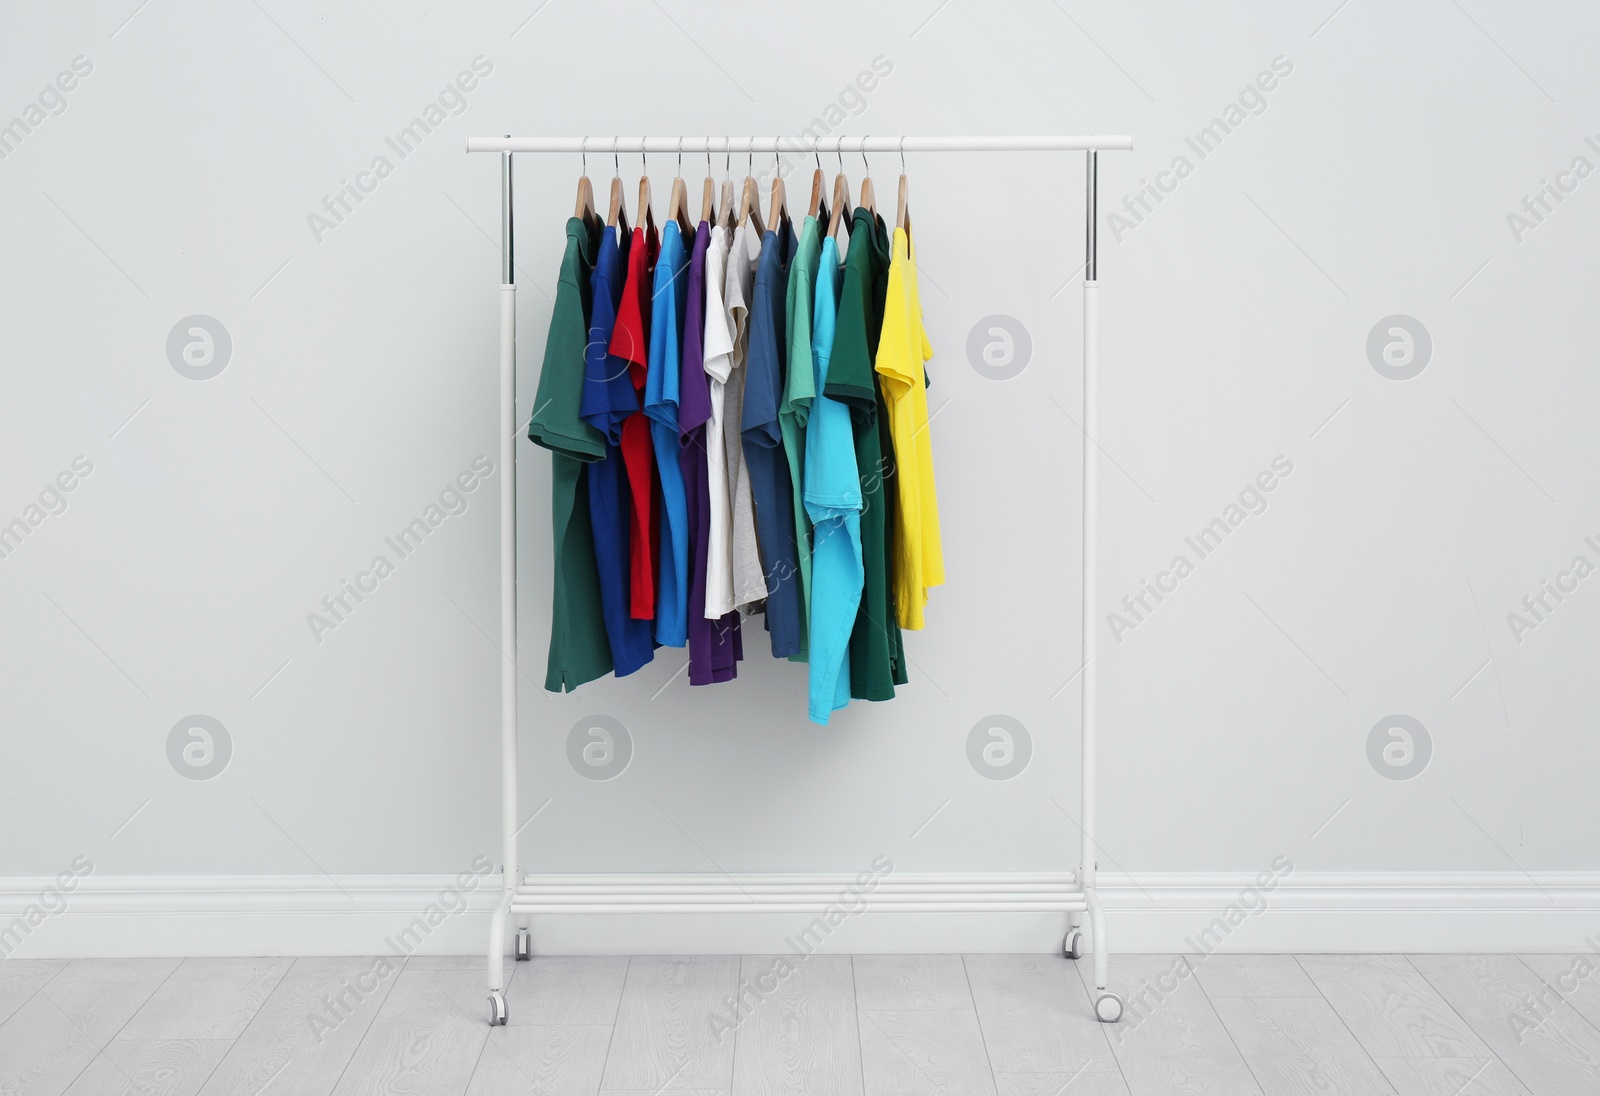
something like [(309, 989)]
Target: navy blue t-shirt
[(763, 443), (608, 399)]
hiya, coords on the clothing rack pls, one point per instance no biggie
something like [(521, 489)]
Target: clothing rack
[(521, 896)]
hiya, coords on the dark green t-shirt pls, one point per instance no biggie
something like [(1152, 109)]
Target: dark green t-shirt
[(579, 651), (877, 661)]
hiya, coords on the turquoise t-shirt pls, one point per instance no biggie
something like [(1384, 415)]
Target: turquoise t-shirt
[(661, 408), (833, 503)]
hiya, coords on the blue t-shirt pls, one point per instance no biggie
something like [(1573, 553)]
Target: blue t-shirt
[(608, 395), (609, 499), (833, 502), (661, 407), (763, 444)]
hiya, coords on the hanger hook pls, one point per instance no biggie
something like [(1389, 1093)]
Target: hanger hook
[(727, 157), (816, 150), (750, 157), (902, 154), (865, 167), (583, 150), (616, 158), (708, 155), (680, 154)]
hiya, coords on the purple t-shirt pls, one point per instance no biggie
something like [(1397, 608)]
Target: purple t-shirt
[(715, 646)]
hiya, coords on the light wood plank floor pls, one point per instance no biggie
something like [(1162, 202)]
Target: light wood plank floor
[(830, 1025)]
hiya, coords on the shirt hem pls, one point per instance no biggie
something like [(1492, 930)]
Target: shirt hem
[(568, 679)]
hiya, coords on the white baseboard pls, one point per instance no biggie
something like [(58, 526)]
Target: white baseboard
[(1156, 912)]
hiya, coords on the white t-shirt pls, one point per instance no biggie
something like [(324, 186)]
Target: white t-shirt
[(718, 345), (746, 583)]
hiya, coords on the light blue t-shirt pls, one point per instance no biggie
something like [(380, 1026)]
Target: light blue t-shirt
[(661, 407), (833, 502)]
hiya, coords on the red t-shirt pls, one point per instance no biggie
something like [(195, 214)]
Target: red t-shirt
[(630, 341)]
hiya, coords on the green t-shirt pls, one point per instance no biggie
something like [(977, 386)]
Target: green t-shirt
[(877, 660), (579, 651), (799, 390)]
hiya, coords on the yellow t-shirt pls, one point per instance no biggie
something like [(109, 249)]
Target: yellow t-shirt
[(903, 347)]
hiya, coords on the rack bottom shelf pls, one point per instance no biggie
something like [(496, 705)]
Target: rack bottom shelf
[(686, 893)]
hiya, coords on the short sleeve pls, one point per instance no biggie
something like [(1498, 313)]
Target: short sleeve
[(557, 424)]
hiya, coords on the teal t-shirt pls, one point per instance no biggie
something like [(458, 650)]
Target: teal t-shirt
[(579, 649), (799, 389)]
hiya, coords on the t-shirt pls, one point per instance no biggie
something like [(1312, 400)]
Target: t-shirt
[(608, 395), (717, 346), (608, 400), (918, 556), (877, 661), (715, 646), (661, 406), (833, 501), (630, 341), (748, 589), (763, 445), (798, 392), (579, 651)]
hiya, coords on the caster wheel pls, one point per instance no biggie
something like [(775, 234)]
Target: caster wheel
[(497, 1009), (1107, 1008), (524, 945), (1072, 946)]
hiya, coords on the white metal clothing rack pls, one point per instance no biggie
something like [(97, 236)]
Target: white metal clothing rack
[(593, 894)]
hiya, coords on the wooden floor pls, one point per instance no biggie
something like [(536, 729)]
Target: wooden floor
[(832, 1025)]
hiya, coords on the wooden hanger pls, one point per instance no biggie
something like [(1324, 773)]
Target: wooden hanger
[(585, 204), (646, 215), (616, 216), (750, 205), (869, 195), (678, 198), (779, 211), (902, 218), (678, 206), (841, 205), (815, 206), (708, 192), (724, 210), (585, 208)]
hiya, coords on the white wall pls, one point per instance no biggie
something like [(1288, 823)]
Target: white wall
[(1377, 180)]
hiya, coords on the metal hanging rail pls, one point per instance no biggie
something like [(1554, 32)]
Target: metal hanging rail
[(841, 143), (1075, 895)]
